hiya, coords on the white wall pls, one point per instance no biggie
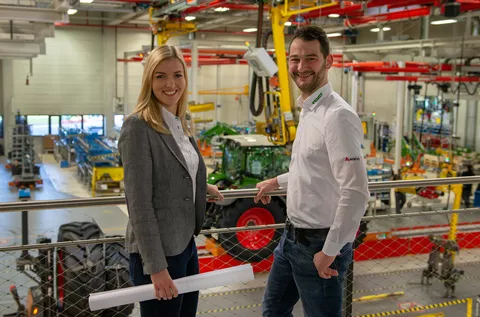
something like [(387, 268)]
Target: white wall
[(67, 80)]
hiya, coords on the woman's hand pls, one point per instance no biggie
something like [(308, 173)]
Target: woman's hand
[(164, 286), (213, 190)]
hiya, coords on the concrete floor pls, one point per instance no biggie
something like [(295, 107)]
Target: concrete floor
[(371, 277)]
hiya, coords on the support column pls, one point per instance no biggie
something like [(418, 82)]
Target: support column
[(8, 117), (354, 91), (408, 118), (109, 78), (361, 94), (400, 106), (194, 67), (128, 108), (470, 126), (217, 101)]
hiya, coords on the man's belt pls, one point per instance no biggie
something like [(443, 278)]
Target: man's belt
[(302, 234)]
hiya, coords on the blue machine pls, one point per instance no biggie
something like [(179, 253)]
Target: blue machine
[(92, 150)]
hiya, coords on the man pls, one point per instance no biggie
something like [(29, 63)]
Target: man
[(327, 190)]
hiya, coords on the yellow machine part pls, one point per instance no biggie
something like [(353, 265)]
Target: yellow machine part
[(202, 107), (116, 174), (281, 120), (164, 29)]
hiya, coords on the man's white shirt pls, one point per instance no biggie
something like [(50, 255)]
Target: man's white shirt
[(327, 185)]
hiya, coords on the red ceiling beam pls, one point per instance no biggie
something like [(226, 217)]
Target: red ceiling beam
[(406, 14), (413, 2), (336, 9)]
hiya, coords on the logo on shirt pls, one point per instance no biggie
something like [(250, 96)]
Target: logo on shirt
[(318, 97), (348, 159)]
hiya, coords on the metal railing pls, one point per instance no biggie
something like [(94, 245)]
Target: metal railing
[(228, 194)]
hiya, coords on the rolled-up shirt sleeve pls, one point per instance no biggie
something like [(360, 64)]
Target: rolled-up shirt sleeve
[(282, 180), (343, 139)]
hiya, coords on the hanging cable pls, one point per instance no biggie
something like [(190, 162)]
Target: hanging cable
[(255, 79)]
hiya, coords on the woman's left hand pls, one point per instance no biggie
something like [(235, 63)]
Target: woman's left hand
[(213, 190)]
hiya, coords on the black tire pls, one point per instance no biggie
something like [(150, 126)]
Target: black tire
[(81, 269), (117, 276), (230, 242)]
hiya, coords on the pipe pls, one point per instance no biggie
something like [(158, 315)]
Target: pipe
[(386, 17), (228, 194), (467, 79), (399, 121)]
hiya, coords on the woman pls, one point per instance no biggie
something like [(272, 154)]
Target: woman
[(165, 185)]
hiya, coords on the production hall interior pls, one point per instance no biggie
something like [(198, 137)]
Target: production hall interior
[(71, 72)]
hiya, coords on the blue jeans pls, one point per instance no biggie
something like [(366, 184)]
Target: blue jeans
[(293, 276), (184, 264)]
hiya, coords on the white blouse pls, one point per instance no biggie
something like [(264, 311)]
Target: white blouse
[(187, 149)]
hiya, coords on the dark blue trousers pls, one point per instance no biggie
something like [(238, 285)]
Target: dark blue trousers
[(184, 264)]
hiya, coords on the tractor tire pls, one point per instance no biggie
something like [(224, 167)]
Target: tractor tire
[(117, 276), (257, 245), (80, 269)]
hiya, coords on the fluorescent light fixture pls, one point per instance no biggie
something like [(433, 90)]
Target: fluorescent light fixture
[(334, 15), (221, 9), (334, 34), (378, 29), (190, 18), (447, 21), (249, 30), (288, 23), (72, 11), (86, 1)]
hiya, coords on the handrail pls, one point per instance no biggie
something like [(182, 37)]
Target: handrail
[(121, 239), (228, 194)]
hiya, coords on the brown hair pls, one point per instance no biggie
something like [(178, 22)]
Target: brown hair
[(313, 33)]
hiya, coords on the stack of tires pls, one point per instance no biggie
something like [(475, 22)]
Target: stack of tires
[(85, 269)]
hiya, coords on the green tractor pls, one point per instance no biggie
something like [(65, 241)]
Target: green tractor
[(247, 160)]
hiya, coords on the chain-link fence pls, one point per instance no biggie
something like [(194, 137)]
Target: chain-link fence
[(403, 265)]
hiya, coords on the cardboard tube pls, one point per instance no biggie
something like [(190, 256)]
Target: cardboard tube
[(130, 295)]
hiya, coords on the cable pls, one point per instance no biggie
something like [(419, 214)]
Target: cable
[(255, 79)]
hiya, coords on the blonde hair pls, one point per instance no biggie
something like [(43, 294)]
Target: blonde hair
[(148, 106)]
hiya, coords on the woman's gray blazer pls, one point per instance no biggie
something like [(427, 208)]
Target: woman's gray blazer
[(163, 216)]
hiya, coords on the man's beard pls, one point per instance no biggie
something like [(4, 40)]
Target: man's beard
[(315, 81)]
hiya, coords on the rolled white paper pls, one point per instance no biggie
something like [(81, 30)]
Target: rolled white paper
[(130, 295)]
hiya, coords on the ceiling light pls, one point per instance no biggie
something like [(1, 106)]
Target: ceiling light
[(86, 1), (334, 34), (378, 29), (288, 23), (72, 11), (334, 15), (249, 30), (447, 21), (190, 18), (221, 9)]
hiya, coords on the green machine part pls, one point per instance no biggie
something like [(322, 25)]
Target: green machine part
[(218, 129)]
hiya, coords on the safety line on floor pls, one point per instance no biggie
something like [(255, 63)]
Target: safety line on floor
[(212, 311), (416, 309), (371, 290), (240, 291)]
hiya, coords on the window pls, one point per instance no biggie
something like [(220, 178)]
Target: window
[(118, 121), (71, 122), (1, 127), (54, 125), (38, 125), (93, 123)]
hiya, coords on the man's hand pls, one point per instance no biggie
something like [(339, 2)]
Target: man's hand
[(265, 187), (164, 286), (213, 190), (322, 263)]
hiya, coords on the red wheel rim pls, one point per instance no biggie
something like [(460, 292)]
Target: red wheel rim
[(255, 239)]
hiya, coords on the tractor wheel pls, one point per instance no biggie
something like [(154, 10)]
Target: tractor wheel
[(80, 269), (117, 276), (255, 245)]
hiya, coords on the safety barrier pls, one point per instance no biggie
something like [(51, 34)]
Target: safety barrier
[(401, 264)]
